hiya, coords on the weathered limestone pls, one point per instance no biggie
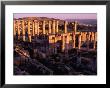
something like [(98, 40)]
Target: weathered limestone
[(23, 30), (53, 26), (84, 38), (67, 42), (74, 34), (57, 26), (14, 27), (82, 34), (94, 46), (96, 36), (63, 43), (33, 28), (44, 27), (74, 40), (50, 27), (75, 26), (18, 24), (89, 36), (79, 41), (87, 41), (36, 27), (67, 39), (50, 39), (55, 48), (29, 33), (65, 27), (92, 36)]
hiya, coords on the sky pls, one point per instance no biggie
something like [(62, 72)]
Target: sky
[(58, 15)]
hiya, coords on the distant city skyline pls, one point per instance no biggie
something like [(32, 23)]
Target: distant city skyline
[(62, 16)]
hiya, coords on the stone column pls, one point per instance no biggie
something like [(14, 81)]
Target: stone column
[(53, 26), (65, 27), (95, 35), (29, 33), (44, 27), (55, 48), (63, 43), (33, 28), (81, 36), (14, 27), (75, 26), (57, 26), (84, 36), (74, 34), (36, 26), (50, 39), (74, 40), (89, 36), (53, 44), (92, 36), (23, 30), (18, 23), (79, 41), (87, 41), (67, 43), (49, 27)]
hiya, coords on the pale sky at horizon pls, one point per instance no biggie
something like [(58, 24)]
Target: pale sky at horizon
[(58, 15)]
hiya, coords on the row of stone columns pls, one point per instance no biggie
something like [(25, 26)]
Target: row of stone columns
[(53, 28), (66, 38), (20, 25), (83, 36), (65, 42), (90, 36)]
